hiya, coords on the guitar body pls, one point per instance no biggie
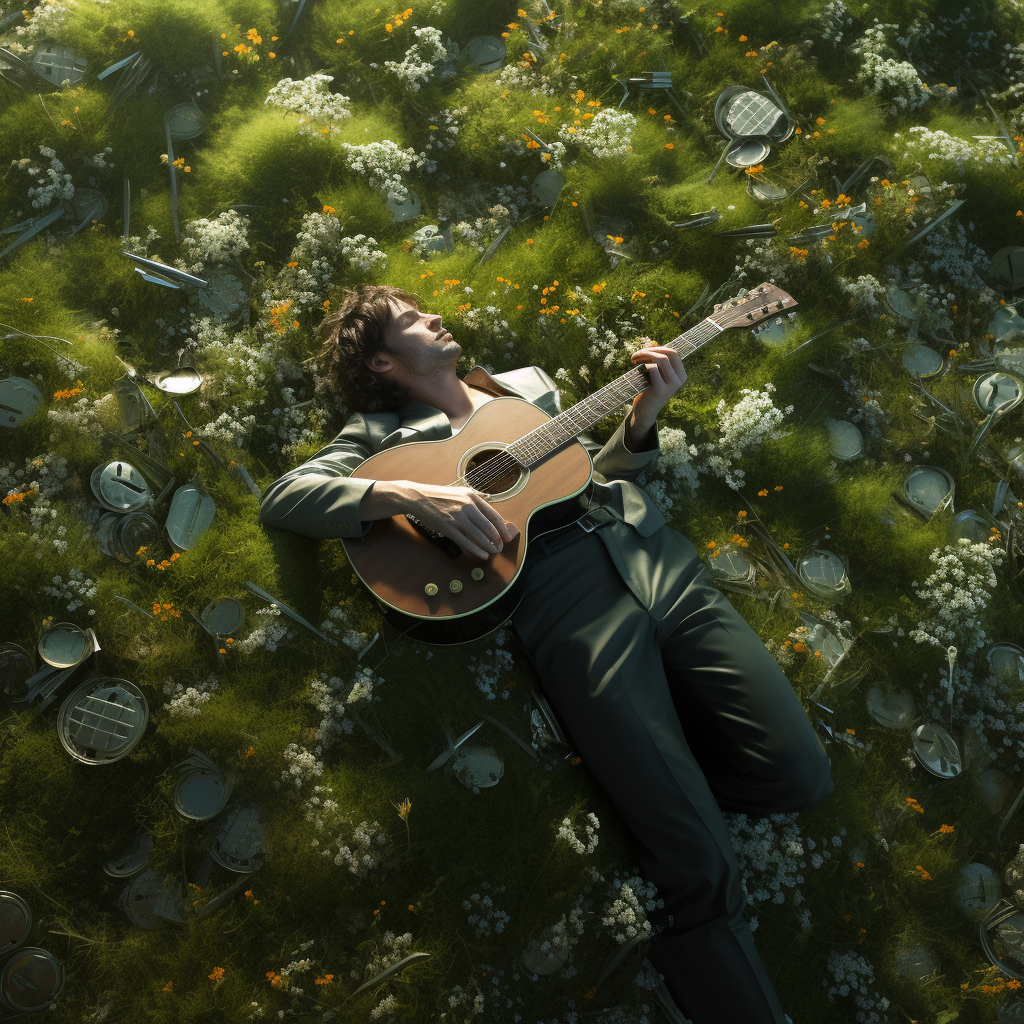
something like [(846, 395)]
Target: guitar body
[(424, 582)]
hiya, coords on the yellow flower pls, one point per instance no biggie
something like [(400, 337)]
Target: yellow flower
[(742, 39), (217, 975), (388, 28), (670, 145), (763, 493)]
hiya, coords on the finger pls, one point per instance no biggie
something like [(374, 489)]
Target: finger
[(492, 524)]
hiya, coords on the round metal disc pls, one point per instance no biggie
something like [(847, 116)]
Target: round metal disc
[(15, 922), (747, 152), (847, 442), (979, 889), (224, 616), (15, 669), (19, 398), (937, 751), (903, 304), (102, 719), (776, 330), (103, 533), (1006, 663), (408, 210), (119, 487), (30, 980), (224, 295), (922, 361), (915, 960), (132, 860), (995, 390), (970, 525), (139, 898), (62, 645), (928, 488), (190, 514), (484, 51), (895, 709), (183, 380), (184, 121), (478, 767), (135, 531), (200, 795), (239, 842), (731, 566), (546, 187), (752, 113), (824, 574), (763, 190), (1006, 324), (866, 222)]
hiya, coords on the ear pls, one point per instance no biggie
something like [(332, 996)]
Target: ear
[(379, 363)]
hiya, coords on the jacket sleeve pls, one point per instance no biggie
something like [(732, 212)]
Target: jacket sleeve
[(318, 499), (614, 461)]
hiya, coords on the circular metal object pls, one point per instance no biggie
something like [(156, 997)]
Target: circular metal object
[(731, 566), (15, 922), (1006, 663), (776, 330), (62, 645), (937, 751), (224, 616), (19, 398), (546, 187), (903, 304), (765, 190), (846, 441), (224, 294), (969, 525), (997, 391), (104, 531), (30, 980), (135, 531), (102, 719), (488, 52), (119, 487), (182, 380), (183, 121), (16, 667), (748, 152), (431, 238), (407, 210), (915, 960), (139, 899), (239, 842), (741, 113), (1006, 324), (133, 860), (824, 574), (200, 794), (979, 889), (929, 488), (922, 361), (190, 514), (894, 709), (478, 767)]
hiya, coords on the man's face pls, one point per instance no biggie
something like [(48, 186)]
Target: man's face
[(417, 342)]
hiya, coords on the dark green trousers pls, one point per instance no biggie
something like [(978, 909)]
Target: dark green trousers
[(679, 712)]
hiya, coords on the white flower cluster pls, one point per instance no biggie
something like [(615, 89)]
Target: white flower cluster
[(626, 915), (771, 853), (188, 702), (330, 696), (888, 78), (607, 135), (211, 243), (302, 766), (866, 411), (268, 635), (852, 973), (98, 160), (862, 292), (1014, 875), (361, 852), (567, 831), (387, 1005), (990, 707), (78, 590), (80, 416), (957, 594), (490, 919), (229, 429), (423, 57), (834, 19), (514, 76), (311, 98), (297, 967), (564, 934), (44, 23), (767, 262), (784, 655), (395, 948), (482, 229), (955, 259), (384, 163), (52, 185), (753, 420), (447, 125), (938, 145), (487, 674), (674, 468), (463, 999), (44, 474)]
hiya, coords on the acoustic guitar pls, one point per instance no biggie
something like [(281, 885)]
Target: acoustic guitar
[(521, 461)]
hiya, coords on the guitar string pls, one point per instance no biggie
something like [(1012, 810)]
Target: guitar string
[(497, 466)]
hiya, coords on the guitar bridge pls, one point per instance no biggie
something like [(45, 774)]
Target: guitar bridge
[(446, 544)]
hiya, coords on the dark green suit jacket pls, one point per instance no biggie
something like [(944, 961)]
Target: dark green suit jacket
[(320, 499)]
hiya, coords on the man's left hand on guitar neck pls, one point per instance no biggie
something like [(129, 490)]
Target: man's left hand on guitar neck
[(665, 371)]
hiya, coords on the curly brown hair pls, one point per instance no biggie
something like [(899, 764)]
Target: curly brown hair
[(353, 333)]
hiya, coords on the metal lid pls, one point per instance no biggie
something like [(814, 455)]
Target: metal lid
[(15, 922), (224, 616), (970, 525), (119, 487), (134, 531), (895, 709), (102, 719), (19, 398), (103, 532), (132, 860), (824, 574), (1006, 663), (486, 51), (201, 792), (731, 566), (30, 980), (997, 391), (407, 210), (979, 889), (16, 667), (904, 304), (1006, 324), (745, 112), (748, 152), (776, 330), (765, 190), (184, 121), (183, 380), (478, 767), (63, 644), (139, 897), (546, 187), (191, 512), (937, 750), (846, 441), (922, 361), (929, 488), (239, 842)]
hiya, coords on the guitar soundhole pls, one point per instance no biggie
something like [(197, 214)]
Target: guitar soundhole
[(493, 479)]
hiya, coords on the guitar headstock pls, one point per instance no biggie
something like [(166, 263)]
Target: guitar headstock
[(764, 301)]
